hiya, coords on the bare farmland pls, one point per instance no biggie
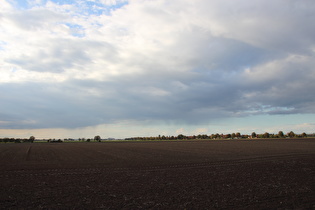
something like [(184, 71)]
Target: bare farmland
[(233, 174)]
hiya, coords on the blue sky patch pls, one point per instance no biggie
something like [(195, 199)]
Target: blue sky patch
[(85, 7), (76, 30)]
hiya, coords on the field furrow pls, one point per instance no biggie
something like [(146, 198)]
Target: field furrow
[(256, 174)]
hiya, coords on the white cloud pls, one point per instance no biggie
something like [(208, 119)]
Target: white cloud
[(296, 128), (181, 131), (5, 6), (273, 26), (201, 131), (283, 83), (186, 62)]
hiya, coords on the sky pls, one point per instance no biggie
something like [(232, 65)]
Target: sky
[(125, 68)]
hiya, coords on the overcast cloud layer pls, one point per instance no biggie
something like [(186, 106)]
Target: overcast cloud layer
[(71, 64)]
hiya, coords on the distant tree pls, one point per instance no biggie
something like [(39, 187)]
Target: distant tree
[(17, 141), (280, 134), (266, 135), (238, 135), (214, 136), (97, 138), (254, 135), (31, 139), (180, 136), (228, 136), (304, 134), (291, 134)]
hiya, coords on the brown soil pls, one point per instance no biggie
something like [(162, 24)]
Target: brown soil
[(233, 174)]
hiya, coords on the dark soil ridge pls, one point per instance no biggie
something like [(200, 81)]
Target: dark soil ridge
[(165, 175), (93, 170)]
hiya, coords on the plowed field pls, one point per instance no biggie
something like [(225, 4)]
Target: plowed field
[(229, 174)]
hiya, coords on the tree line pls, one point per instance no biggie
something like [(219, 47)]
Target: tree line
[(237, 135), (32, 139), (18, 140)]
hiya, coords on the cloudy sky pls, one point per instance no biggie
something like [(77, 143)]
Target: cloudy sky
[(122, 68)]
